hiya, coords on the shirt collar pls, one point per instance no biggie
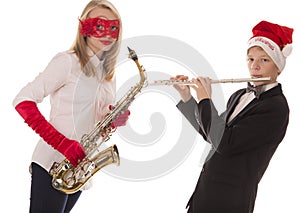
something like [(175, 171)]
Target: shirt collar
[(94, 58), (267, 87), (258, 90)]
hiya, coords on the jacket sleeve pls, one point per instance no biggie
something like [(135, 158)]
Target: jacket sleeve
[(189, 110), (211, 124)]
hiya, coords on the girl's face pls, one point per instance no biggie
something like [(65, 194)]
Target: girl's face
[(101, 29), (261, 65)]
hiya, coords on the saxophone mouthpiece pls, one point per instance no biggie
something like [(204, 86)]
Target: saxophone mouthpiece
[(132, 54)]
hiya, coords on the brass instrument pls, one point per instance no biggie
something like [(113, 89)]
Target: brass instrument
[(68, 179), (187, 82)]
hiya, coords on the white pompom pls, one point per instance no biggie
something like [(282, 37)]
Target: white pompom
[(287, 49)]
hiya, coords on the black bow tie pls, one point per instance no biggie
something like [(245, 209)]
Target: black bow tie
[(256, 90)]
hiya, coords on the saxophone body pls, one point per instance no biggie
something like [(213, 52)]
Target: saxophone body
[(68, 179)]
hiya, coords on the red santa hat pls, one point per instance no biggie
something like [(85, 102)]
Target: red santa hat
[(274, 39)]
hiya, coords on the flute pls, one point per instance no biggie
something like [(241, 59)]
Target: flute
[(188, 82)]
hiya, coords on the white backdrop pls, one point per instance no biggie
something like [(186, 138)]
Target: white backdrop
[(33, 31)]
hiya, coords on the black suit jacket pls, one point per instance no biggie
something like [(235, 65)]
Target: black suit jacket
[(241, 149)]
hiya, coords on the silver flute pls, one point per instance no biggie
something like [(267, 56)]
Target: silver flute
[(189, 82)]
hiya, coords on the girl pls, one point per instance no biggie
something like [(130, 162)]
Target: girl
[(81, 86)]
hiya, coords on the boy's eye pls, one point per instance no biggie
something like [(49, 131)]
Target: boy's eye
[(265, 59)]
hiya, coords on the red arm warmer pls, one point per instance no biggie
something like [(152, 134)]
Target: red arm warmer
[(71, 149)]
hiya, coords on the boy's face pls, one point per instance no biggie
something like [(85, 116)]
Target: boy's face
[(261, 65)]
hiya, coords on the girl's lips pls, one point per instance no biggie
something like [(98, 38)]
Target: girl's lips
[(106, 42)]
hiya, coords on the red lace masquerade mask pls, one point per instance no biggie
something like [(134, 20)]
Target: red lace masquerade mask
[(98, 27)]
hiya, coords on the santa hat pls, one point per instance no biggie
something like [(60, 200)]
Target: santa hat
[(274, 39)]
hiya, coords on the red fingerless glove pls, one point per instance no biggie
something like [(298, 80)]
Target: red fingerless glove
[(71, 149), (121, 119)]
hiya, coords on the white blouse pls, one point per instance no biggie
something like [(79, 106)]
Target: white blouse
[(77, 102)]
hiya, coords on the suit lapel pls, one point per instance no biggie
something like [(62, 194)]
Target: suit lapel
[(232, 104)]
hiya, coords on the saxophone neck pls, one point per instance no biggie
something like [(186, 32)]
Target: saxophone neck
[(132, 55)]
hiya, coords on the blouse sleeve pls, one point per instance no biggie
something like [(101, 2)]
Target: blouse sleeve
[(47, 82)]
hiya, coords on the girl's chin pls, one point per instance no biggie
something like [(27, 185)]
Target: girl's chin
[(106, 47)]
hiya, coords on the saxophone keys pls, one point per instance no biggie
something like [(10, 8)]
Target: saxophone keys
[(70, 181)]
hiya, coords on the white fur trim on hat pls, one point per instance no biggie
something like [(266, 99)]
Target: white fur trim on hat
[(287, 50), (272, 49)]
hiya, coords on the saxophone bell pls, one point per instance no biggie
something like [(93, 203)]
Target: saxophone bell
[(69, 179)]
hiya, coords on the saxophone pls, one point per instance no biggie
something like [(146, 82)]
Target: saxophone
[(68, 179)]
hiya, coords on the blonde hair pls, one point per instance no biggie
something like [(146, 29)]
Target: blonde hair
[(80, 47)]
